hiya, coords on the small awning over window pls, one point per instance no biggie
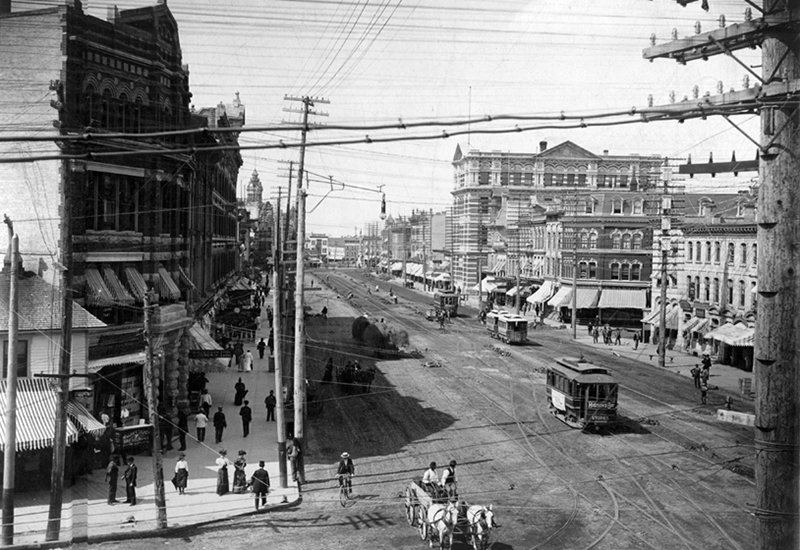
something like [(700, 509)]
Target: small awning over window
[(486, 285), (561, 297), (95, 365), (166, 286), (203, 340), (136, 284), (98, 293), (121, 295), (622, 298)]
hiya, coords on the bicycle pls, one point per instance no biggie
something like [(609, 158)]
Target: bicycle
[(345, 488)]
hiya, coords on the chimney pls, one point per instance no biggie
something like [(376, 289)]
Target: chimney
[(542, 146), (605, 152), (5, 6)]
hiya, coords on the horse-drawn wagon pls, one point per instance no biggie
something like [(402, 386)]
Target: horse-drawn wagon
[(437, 517)]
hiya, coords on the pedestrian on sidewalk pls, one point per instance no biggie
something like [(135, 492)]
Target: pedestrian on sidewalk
[(238, 351), (183, 427), (261, 347), (130, 474), (247, 416), (206, 401), (247, 361), (704, 394), (270, 401), (618, 337), (704, 374), (222, 472), (239, 476), (595, 334), (112, 475), (696, 376), (219, 425), (181, 474), (293, 454), (200, 423), (241, 391), (591, 328), (636, 340), (260, 484)]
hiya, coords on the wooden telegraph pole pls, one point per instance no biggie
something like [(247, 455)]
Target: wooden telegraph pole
[(152, 406), (277, 338), (299, 313), (10, 454), (777, 367)]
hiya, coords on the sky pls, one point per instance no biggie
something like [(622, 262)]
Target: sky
[(381, 61)]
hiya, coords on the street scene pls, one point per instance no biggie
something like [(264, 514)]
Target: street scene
[(399, 274)]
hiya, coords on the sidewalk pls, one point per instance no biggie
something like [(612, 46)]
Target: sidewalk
[(87, 514)]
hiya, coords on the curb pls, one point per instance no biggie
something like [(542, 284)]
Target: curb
[(168, 532)]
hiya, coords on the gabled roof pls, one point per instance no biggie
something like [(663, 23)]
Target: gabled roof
[(462, 150), (567, 149), (40, 306)]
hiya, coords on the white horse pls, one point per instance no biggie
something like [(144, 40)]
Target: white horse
[(481, 522), (442, 519)]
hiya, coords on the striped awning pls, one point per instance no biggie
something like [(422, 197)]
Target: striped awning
[(166, 286), (672, 316), (136, 283), (36, 414), (560, 299), (396, 266), (78, 413), (651, 317), (499, 266), (738, 335), (98, 293), (702, 326), (587, 298), (622, 298), (543, 294), (121, 295)]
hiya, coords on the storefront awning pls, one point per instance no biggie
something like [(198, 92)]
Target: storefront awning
[(543, 294), (203, 340), (118, 290), (561, 297), (512, 291), (499, 266), (441, 277), (622, 298), (587, 298), (397, 266), (95, 365), (738, 335), (136, 283), (166, 286), (651, 317), (701, 326), (486, 285), (98, 294), (36, 414)]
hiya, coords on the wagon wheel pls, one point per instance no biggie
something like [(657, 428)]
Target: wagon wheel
[(411, 511), (422, 524)]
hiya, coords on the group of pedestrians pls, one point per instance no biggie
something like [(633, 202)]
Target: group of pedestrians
[(129, 475), (700, 375)]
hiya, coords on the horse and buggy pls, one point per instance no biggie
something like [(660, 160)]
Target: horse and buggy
[(437, 516)]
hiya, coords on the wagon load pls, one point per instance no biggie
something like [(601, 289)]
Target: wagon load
[(381, 336)]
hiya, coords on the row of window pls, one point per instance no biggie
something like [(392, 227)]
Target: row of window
[(696, 251), (116, 63), (711, 291), (619, 271), (561, 179)]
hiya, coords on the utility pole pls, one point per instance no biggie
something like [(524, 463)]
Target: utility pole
[(776, 365), (299, 313), (64, 363), (152, 406), (10, 454), (665, 245), (403, 227), (277, 340), (575, 269)]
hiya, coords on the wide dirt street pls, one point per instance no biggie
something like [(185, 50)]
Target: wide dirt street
[(668, 477)]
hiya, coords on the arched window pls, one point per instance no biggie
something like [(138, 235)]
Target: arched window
[(636, 272), (708, 251), (583, 270), (743, 256), (593, 270), (593, 240), (637, 207), (690, 287), (754, 256), (626, 240), (625, 273), (617, 206), (716, 252), (637, 241), (715, 291), (731, 253), (584, 240), (706, 289), (730, 291), (615, 272), (89, 105), (123, 124), (753, 294), (741, 294), (690, 251), (616, 240), (626, 207), (137, 115), (105, 109)]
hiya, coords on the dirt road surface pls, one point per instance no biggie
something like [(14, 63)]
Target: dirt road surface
[(669, 476)]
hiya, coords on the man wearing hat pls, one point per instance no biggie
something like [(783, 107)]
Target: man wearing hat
[(449, 480), (260, 483), (345, 471)]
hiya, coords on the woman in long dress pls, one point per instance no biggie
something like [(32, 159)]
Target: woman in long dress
[(239, 476), (222, 473), (181, 474)]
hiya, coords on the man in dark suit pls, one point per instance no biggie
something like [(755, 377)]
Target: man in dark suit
[(219, 424), (260, 483), (247, 416), (112, 474), (130, 481)]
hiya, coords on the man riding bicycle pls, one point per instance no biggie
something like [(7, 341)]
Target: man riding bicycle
[(345, 471)]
